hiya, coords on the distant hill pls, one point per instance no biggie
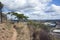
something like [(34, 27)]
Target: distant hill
[(57, 20)]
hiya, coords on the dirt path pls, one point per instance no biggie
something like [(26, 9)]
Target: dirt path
[(14, 37)]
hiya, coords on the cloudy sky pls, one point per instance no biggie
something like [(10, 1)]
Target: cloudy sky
[(35, 9)]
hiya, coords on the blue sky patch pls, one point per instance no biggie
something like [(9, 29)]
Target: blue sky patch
[(56, 2)]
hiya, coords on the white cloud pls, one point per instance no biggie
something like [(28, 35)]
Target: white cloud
[(56, 8), (35, 9), (54, 11)]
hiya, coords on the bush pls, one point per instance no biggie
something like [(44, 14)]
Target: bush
[(37, 25)]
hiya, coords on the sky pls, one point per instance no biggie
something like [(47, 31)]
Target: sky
[(34, 9)]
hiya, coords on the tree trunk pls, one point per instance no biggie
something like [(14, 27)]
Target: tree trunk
[(1, 15)]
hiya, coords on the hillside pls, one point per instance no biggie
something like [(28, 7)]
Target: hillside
[(6, 32), (22, 31)]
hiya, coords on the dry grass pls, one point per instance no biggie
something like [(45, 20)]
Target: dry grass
[(23, 31), (5, 32)]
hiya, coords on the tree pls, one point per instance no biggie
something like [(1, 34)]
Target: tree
[(25, 17), (1, 6), (19, 16)]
